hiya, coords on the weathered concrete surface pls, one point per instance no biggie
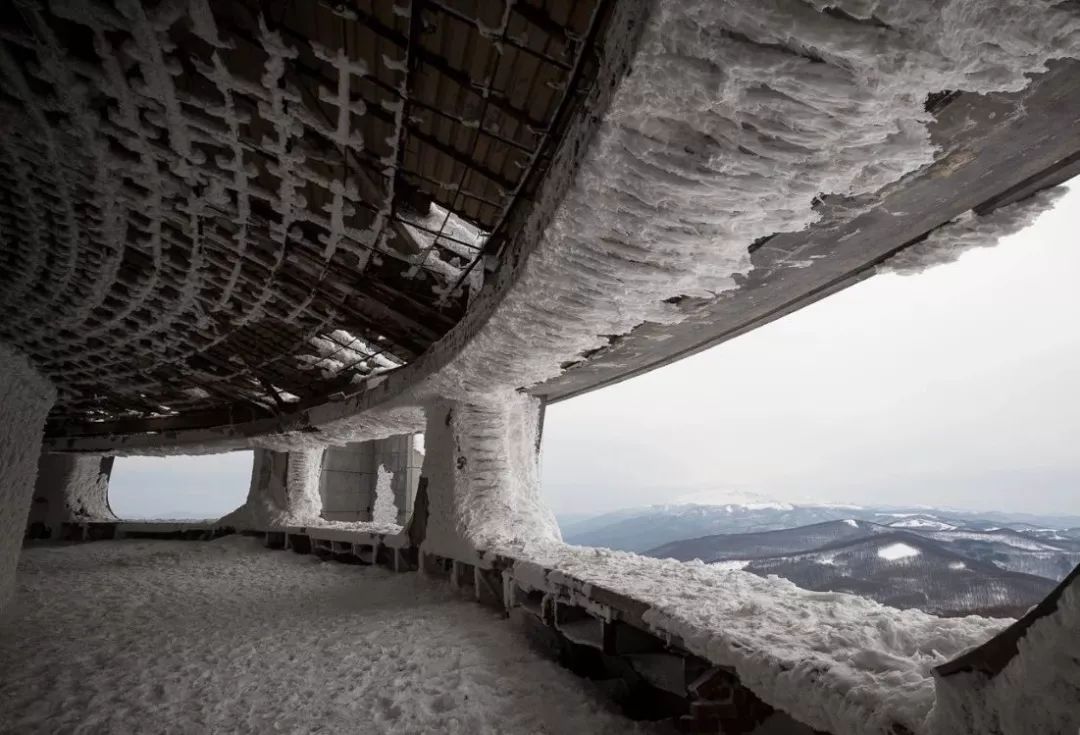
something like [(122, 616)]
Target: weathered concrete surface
[(284, 490), (350, 477), (69, 488), (1024, 680), (997, 148), (25, 399), (384, 406), (482, 467)]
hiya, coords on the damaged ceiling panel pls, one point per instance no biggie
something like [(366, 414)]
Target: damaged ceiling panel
[(213, 212)]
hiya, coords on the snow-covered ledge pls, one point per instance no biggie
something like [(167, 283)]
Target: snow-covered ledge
[(284, 490), (482, 466), (25, 399), (69, 488)]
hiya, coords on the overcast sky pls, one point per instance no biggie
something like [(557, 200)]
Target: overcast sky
[(956, 387)]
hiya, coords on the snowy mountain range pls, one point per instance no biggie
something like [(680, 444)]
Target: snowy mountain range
[(945, 562), (905, 570), (921, 561), (641, 529)]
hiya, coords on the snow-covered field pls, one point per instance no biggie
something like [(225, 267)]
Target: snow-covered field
[(225, 636)]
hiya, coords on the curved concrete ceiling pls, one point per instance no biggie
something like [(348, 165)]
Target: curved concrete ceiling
[(556, 316), (219, 212)]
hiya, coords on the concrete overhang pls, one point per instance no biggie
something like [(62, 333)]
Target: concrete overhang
[(994, 149), (997, 149)]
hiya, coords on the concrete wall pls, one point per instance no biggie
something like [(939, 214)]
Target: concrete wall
[(350, 473), (69, 488), (25, 400)]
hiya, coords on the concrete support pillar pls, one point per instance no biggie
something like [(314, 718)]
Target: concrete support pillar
[(25, 399), (353, 475), (284, 490), (69, 488), (482, 470)]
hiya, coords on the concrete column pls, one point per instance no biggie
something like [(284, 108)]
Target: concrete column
[(407, 475), (482, 470), (284, 491), (69, 488), (25, 399)]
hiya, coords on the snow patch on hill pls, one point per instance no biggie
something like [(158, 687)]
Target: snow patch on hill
[(897, 551)]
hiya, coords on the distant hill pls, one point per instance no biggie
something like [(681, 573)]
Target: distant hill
[(1012, 550), (724, 547), (928, 562), (906, 570), (924, 522), (641, 529)]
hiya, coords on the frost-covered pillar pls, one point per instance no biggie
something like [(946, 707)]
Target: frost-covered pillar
[(69, 488), (25, 399), (482, 465), (284, 490)]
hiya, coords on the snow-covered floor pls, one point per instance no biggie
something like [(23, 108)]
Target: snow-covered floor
[(225, 636)]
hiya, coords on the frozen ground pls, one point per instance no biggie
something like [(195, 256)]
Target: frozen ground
[(224, 636)]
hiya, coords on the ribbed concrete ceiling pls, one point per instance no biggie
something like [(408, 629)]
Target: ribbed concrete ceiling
[(220, 211)]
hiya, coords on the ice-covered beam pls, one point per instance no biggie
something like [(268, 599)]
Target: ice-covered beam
[(355, 478), (25, 399), (482, 466), (69, 488), (284, 490)]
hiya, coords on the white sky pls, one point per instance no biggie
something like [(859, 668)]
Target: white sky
[(956, 387), (206, 486)]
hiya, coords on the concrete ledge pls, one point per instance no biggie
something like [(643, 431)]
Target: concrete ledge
[(166, 530)]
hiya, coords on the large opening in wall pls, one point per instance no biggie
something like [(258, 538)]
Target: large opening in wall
[(911, 438), (196, 487), (372, 481)]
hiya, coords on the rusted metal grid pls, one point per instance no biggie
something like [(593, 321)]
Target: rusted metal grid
[(224, 210)]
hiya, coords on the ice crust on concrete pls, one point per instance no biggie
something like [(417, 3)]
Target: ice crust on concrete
[(837, 662), (1037, 692), (968, 231), (72, 488), (228, 637), (284, 491), (483, 472), (384, 511), (735, 117), (25, 399)]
